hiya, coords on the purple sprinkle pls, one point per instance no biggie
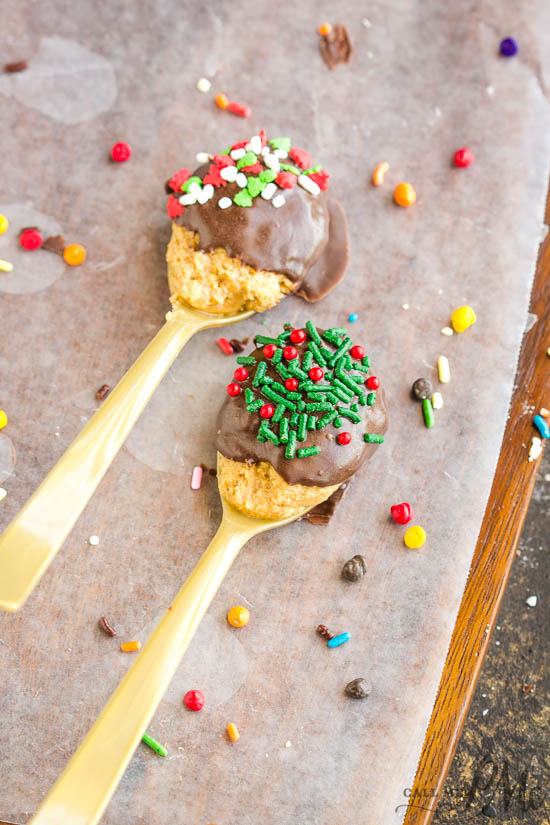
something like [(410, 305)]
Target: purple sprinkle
[(196, 478), (509, 47)]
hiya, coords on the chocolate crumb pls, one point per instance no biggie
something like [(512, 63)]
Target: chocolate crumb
[(323, 512), (102, 392), (239, 346), (336, 47), (355, 568), (210, 470), (323, 631), (55, 243), (16, 66), (528, 689), (106, 626), (358, 688)]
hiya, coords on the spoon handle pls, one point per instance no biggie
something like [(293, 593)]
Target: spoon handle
[(30, 542), (85, 787)]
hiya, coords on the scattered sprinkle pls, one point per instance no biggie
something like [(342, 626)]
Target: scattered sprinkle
[(3, 419), (341, 639), (404, 306), (323, 631), (355, 568), (288, 743), (415, 537), (196, 478), (238, 616), (74, 254), (130, 647), (528, 688), (224, 203), (222, 101), (3, 493), (233, 732), (336, 46), (352, 317), (463, 158), (462, 318), (239, 109), (6, 266), (366, 22), (404, 194), (443, 369), (121, 152), (548, 352), (225, 346), (4, 223), (194, 700), (448, 331), (102, 392), (30, 238), (372, 438), (541, 426), (379, 172), (427, 412), (535, 449), (358, 688), (421, 389), (93, 540), (509, 47), (203, 85), (402, 513), (490, 90), (544, 412), (154, 745), (106, 626), (325, 29), (437, 401), (16, 66), (531, 601)]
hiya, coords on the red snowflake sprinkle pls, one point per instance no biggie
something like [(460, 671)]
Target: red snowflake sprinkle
[(253, 170), (174, 207), (262, 137), (300, 157), (286, 180), (178, 179), (240, 145), (223, 160), (321, 179), (213, 176)]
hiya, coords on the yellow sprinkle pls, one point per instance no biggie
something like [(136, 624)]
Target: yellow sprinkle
[(414, 537), (5, 266), (3, 224), (437, 400), (3, 419), (233, 732), (462, 318), (443, 369), (379, 172)]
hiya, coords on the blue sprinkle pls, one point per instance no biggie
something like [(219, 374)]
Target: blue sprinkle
[(541, 426), (353, 317), (509, 47), (339, 640)]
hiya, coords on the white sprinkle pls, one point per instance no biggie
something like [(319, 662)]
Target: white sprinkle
[(544, 412), (256, 144), (278, 201), (6, 266), (281, 154), (288, 743), (203, 85), (437, 401), (535, 449), (485, 712), (206, 193), (309, 185), (196, 478), (241, 180), (366, 22), (272, 162), (447, 331), (266, 151), (229, 173), (3, 493), (443, 369), (224, 203), (497, 643), (194, 189), (237, 154), (94, 540), (547, 476), (187, 200), (490, 90), (404, 306), (203, 157), (531, 601), (269, 191)]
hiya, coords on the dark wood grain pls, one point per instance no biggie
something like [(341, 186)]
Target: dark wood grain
[(495, 551)]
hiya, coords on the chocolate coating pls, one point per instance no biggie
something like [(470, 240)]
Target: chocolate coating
[(237, 429), (306, 239)]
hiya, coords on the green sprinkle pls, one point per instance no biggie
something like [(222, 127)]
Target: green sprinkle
[(288, 167), (371, 398), (313, 334), (265, 433), (278, 414), (347, 361), (283, 430), (320, 406), (242, 198), (193, 179), (317, 354), (360, 368), (338, 384), (267, 176), (304, 452), (260, 372), (274, 396), (277, 357), (311, 387), (337, 422), (283, 390), (307, 360), (284, 336), (366, 361), (295, 370), (312, 423), (246, 359), (294, 396), (281, 369), (351, 416), (301, 406), (372, 438), (247, 160), (342, 349), (326, 419), (333, 337), (333, 398), (362, 400), (271, 435), (264, 339), (267, 380), (283, 143), (255, 405), (226, 151), (342, 378), (154, 745), (302, 425), (294, 419), (312, 170), (248, 395), (291, 446), (354, 407), (428, 412), (328, 375), (254, 186)]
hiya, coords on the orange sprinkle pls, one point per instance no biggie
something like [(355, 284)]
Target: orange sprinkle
[(379, 172), (404, 194), (324, 29), (222, 101), (74, 254), (233, 732), (130, 647)]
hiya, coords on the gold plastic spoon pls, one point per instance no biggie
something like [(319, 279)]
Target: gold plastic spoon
[(29, 544), (85, 787)]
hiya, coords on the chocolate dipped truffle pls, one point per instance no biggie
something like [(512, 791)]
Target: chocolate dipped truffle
[(252, 225), (302, 413)]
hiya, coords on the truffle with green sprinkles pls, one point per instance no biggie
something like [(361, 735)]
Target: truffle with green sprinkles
[(306, 400)]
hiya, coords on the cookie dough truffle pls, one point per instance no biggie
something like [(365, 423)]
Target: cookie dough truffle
[(252, 225), (302, 413)]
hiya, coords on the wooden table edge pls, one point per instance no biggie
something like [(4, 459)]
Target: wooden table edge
[(492, 560)]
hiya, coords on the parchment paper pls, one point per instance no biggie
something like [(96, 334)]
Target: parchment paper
[(424, 80)]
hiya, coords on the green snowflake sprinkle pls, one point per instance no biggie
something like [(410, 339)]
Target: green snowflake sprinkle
[(283, 143), (288, 167), (248, 160), (254, 186), (242, 198), (193, 179), (267, 176), (312, 170)]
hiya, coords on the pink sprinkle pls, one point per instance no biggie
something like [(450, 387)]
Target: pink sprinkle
[(225, 346), (196, 478)]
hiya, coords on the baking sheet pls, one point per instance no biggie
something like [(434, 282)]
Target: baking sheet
[(423, 81)]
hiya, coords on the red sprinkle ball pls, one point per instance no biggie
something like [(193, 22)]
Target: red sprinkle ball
[(316, 373), (269, 350), (297, 336), (373, 382), (290, 353), (30, 239), (463, 157), (291, 383), (233, 390), (194, 700), (343, 438), (121, 152), (267, 411), (357, 351), (240, 374), (225, 346), (402, 513)]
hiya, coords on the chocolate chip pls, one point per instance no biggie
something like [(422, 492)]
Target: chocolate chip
[(16, 66), (358, 688), (55, 243), (489, 810), (102, 392), (355, 568), (239, 346), (336, 47), (421, 389), (106, 626)]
